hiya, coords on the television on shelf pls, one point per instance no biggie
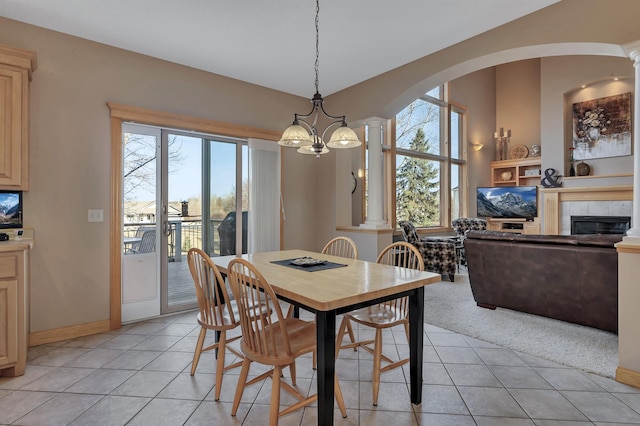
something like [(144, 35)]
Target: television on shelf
[(10, 209), (508, 202)]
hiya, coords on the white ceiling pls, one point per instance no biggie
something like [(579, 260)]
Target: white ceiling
[(272, 42)]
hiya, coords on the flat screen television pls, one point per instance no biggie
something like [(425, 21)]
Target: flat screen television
[(10, 209), (508, 202)]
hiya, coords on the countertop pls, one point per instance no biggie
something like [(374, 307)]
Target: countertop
[(23, 242)]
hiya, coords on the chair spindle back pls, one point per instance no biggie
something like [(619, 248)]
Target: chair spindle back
[(262, 339), (212, 295), (341, 247)]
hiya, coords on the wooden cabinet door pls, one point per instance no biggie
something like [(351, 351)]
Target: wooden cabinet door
[(14, 127), (8, 322)]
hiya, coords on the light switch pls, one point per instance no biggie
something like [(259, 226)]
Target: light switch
[(96, 215)]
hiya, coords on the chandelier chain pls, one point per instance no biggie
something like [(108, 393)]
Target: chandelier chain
[(303, 132), (317, 65)]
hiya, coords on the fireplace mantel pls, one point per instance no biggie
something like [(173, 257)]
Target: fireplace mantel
[(552, 197)]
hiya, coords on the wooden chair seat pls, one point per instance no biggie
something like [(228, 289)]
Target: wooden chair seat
[(302, 340), (378, 316), (225, 322)]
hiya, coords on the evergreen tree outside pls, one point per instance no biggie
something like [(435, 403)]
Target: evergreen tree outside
[(418, 186)]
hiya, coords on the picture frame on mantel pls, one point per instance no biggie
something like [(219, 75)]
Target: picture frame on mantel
[(602, 127)]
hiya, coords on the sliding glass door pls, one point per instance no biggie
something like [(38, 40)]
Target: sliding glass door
[(180, 190)]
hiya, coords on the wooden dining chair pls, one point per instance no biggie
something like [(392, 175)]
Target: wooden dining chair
[(216, 312), (273, 340), (384, 315), (341, 247)]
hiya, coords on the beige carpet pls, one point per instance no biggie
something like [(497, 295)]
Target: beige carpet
[(451, 306)]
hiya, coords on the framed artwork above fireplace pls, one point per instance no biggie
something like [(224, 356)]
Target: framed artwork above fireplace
[(602, 127)]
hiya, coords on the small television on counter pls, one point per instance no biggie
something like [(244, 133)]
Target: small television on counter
[(10, 209), (508, 202)]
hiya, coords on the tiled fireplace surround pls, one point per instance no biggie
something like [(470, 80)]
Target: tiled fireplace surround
[(591, 208), (562, 203)]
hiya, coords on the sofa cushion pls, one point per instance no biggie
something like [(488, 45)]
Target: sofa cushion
[(599, 240), (548, 239), (490, 235), (593, 240)]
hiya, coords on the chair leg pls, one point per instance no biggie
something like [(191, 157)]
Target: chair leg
[(292, 371), (377, 360), (340, 336), (198, 351), (242, 381), (275, 396), (222, 346), (339, 398), (351, 335)]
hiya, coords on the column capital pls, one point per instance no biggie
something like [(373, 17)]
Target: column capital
[(633, 50), (371, 121)]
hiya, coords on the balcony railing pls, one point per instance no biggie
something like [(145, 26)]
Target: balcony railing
[(184, 235)]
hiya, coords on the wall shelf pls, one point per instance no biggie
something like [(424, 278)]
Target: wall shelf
[(518, 170), (598, 176)]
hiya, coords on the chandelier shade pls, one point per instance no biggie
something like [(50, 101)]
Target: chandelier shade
[(344, 137), (310, 149), (296, 135), (304, 135)]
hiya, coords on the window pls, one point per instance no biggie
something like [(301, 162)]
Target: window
[(429, 170)]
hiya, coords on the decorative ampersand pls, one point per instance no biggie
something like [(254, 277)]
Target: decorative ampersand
[(550, 179)]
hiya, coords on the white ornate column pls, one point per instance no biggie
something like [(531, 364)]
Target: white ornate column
[(633, 50), (628, 370), (375, 185)]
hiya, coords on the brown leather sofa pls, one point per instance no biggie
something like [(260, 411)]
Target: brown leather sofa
[(571, 278)]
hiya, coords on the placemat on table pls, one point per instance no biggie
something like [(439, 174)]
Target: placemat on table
[(309, 268)]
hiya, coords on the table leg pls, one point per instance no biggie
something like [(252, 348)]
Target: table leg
[(416, 330), (326, 347)]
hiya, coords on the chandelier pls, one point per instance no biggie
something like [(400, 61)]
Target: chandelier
[(304, 135)]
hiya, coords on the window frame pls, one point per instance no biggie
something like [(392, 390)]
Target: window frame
[(444, 158)]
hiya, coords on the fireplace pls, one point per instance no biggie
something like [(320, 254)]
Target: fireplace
[(600, 224)]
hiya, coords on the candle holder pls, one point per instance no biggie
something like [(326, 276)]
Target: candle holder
[(502, 142)]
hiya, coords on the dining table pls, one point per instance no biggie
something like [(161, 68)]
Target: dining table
[(337, 285)]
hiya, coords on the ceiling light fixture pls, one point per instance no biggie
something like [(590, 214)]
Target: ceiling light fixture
[(304, 135)]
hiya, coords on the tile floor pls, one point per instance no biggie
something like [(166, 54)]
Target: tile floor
[(139, 375)]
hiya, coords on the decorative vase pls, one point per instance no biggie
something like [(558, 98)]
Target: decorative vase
[(572, 171), (583, 169), (593, 134)]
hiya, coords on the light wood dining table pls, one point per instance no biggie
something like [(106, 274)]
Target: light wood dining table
[(332, 292)]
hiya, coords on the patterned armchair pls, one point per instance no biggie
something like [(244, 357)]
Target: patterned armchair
[(463, 225), (439, 255)]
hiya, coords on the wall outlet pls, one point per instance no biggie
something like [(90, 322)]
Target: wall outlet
[(95, 215)]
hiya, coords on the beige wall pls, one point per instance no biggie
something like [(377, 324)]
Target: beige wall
[(518, 101), (70, 150), (477, 93)]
